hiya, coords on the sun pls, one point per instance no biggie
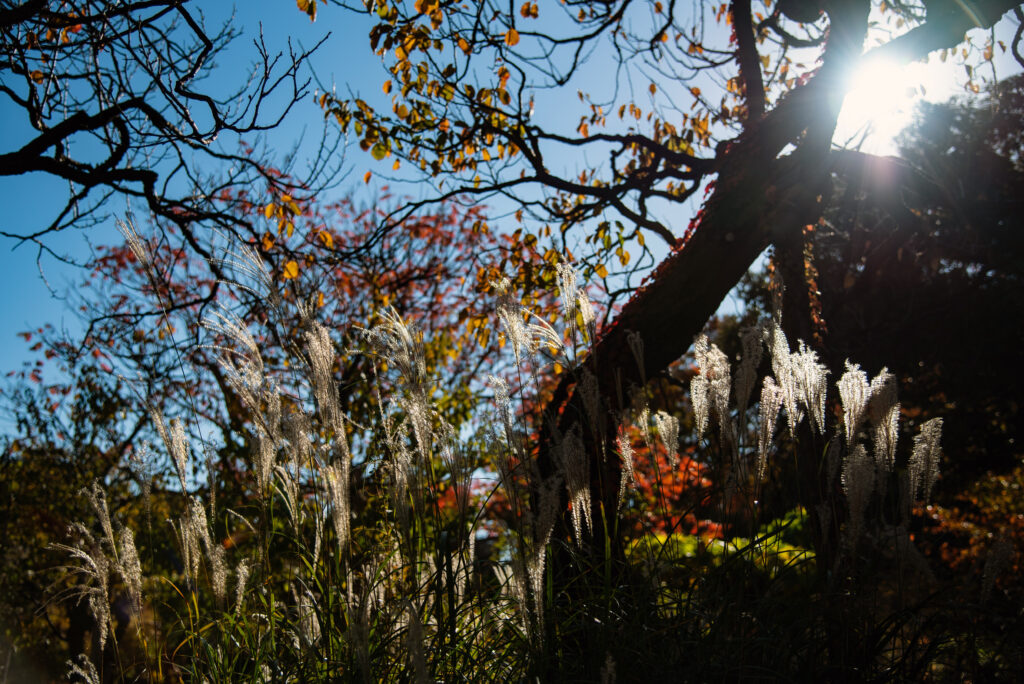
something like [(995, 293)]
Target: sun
[(880, 103)]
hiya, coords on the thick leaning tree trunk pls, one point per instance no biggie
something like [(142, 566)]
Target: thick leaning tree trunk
[(761, 197)]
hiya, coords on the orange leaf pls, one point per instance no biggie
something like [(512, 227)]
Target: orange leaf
[(326, 238), (511, 37), (37, 76), (366, 178), (291, 270)]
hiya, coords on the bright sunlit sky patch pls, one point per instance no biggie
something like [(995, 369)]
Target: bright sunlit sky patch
[(881, 101), (883, 94)]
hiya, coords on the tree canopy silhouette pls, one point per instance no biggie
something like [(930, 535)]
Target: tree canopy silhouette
[(116, 100), (736, 99)]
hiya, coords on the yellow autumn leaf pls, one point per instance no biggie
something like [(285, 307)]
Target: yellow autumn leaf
[(511, 37), (268, 211), (291, 270), (601, 271), (529, 10), (326, 238), (267, 242)]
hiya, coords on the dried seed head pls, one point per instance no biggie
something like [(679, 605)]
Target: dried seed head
[(401, 474), (94, 568), (924, 461), (567, 291), (504, 402), (325, 389), (542, 336), (543, 525), (711, 395), (771, 402), (241, 577), (746, 374), (699, 392), (854, 393), (782, 367), (575, 468), (138, 246), (668, 430), (175, 442), (812, 385), (130, 569), (82, 670), (336, 484), (402, 346), (145, 470), (626, 452), (98, 500), (215, 554), (587, 314), (227, 324), (251, 273), (885, 414), (510, 313)]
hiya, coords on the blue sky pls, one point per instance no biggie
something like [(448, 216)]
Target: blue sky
[(32, 288), (28, 301)]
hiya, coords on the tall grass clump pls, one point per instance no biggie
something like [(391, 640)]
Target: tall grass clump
[(413, 549)]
